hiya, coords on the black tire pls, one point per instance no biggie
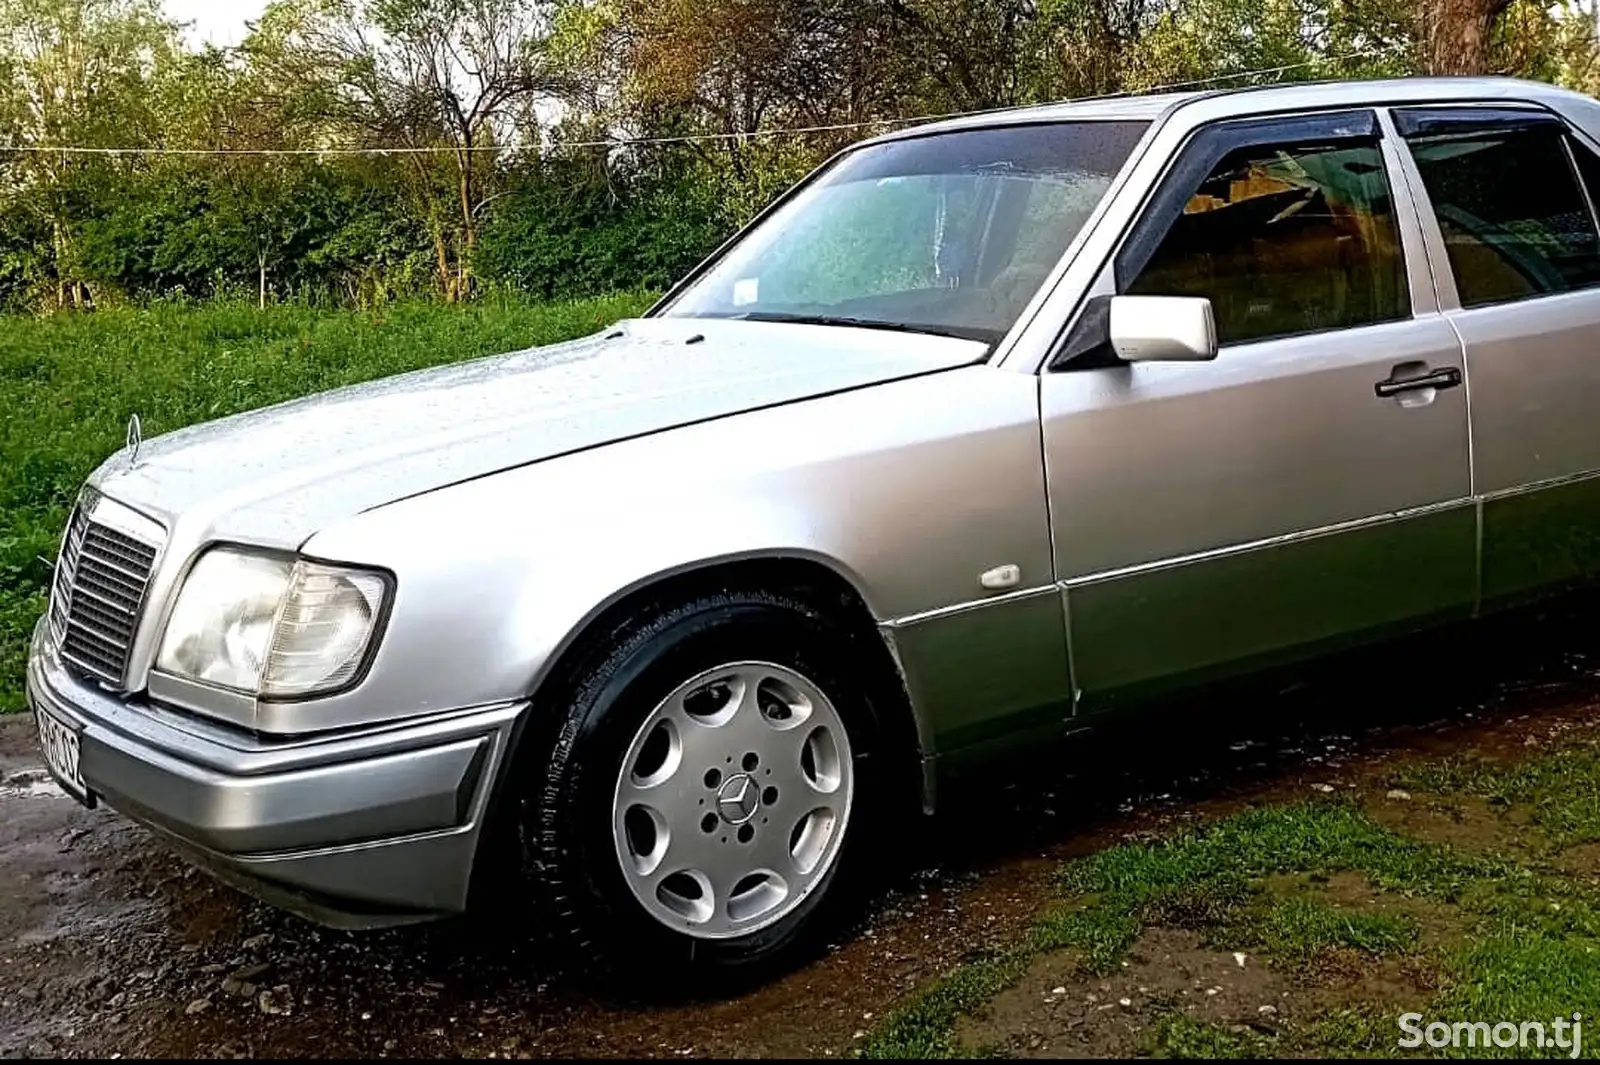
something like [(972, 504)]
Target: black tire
[(567, 823)]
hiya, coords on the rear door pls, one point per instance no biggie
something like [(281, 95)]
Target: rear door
[(1509, 211), (1308, 488)]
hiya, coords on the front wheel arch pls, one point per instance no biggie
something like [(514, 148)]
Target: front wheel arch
[(807, 579), (814, 582)]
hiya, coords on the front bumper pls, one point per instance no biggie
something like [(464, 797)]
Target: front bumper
[(363, 828)]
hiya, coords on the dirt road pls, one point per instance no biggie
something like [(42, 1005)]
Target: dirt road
[(108, 946)]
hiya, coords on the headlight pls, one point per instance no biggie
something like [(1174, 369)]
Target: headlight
[(270, 626)]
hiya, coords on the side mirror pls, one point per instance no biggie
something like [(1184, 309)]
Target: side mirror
[(1118, 330), (1162, 329)]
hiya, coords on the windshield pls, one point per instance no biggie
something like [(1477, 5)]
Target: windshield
[(949, 234)]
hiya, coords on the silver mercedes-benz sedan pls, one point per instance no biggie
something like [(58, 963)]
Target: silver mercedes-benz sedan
[(985, 430)]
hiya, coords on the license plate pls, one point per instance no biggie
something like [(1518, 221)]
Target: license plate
[(60, 744)]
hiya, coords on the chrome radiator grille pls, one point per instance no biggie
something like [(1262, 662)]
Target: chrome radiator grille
[(99, 589)]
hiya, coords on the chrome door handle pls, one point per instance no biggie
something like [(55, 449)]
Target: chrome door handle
[(1449, 377)]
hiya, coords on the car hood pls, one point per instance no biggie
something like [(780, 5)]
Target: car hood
[(276, 475)]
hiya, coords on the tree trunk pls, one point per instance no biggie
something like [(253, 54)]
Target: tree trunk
[(1455, 35), (58, 237), (469, 223), (261, 268), (441, 251)]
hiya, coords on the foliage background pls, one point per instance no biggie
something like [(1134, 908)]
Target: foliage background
[(450, 149)]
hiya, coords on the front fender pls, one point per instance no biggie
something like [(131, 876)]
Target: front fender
[(908, 491)]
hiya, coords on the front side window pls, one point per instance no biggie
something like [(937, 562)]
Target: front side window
[(951, 233), (1286, 239), (1516, 223)]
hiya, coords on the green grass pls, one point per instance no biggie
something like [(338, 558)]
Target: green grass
[(1512, 941), (1208, 879), (1204, 879), (1561, 792), (1356, 1032), (1300, 929), (922, 1029), (68, 384), (1523, 974), (1179, 1036)]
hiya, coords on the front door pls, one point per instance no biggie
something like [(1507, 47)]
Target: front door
[(1307, 489)]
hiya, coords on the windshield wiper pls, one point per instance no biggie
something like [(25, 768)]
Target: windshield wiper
[(985, 336)]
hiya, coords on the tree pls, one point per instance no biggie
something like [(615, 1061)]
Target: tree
[(418, 75), (973, 53), (1456, 35), (78, 74)]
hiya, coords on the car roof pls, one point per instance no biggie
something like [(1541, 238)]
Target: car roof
[(1253, 100)]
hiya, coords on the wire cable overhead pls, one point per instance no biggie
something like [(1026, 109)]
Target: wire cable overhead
[(689, 138)]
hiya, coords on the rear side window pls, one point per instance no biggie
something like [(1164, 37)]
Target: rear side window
[(1286, 239), (1516, 222), (1588, 167)]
